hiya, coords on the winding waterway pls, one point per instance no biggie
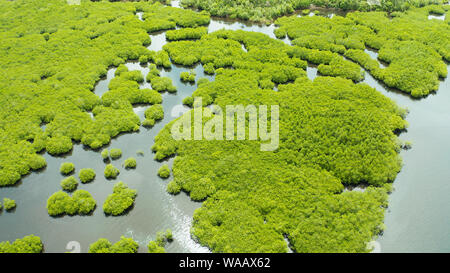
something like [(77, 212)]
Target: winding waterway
[(417, 219)]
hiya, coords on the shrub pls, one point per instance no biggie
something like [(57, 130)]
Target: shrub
[(169, 235), (120, 200), (69, 183), (173, 187), (67, 168), (111, 172), (115, 153), (153, 247), (203, 189), (86, 175), (188, 101), (164, 171), (148, 123), (143, 59), (28, 244), (105, 154), (61, 203), (130, 163), (124, 245), (162, 84), (59, 145), (9, 204), (186, 33), (188, 76), (155, 112)]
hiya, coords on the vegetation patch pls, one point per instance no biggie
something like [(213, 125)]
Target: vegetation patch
[(60, 203), (28, 244), (333, 133), (413, 46), (111, 172), (162, 238), (69, 184), (164, 171), (120, 200), (124, 245), (186, 34), (67, 168), (54, 59), (115, 153), (266, 11), (130, 163), (188, 76), (8, 204), (86, 175)]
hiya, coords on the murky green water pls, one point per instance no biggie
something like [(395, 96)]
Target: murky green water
[(417, 219)]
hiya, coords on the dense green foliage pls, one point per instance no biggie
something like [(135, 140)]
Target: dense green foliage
[(67, 168), (188, 76), (124, 245), (162, 238), (161, 84), (86, 175), (60, 203), (115, 153), (173, 187), (105, 154), (153, 114), (413, 46), (8, 204), (51, 56), (333, 132), (111, 172), (186, 34), (69, 184), (164, 171), (28, 244), (130, 163), (120, 200), (258, 10)]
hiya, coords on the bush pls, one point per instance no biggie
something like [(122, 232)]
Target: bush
[(188, 101), (153, 247), (148, 123), (162, 84), (143, 59), (120, 200), (59, 145), (155, 112), (186, 33), (67, 168), (125, 245), (188, 76), (69, 183), (28, 244), (105, 154), (203, 189), (130, 163), (86, 175), (173, 187), (111, 172), (9, 204), (169, 235), (164, 171), (115, 153), (61, 203)]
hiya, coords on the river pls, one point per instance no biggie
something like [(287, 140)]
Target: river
[(417, 219)]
